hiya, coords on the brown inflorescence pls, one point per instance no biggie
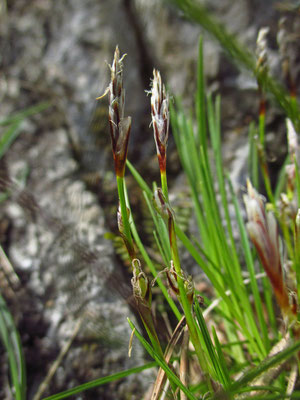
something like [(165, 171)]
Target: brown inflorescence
[(160, 118), (263, 231), (119, 125)]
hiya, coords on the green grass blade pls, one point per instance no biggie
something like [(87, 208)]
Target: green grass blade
[(264, 366), (13, 124), (200, 98), (281, 180), (212, 233), (161, 231), (247, 389), (19, 116), (263, 342), (9, 136), (210, 349), (192, 170), (221, 359), (101, 381), (160, 248), (215, 134), (209, 272), (253, 157), (12, 343), (170, 374)]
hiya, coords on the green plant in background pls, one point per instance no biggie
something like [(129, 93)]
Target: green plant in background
[(242, 57), (11, 129), (11, 340)]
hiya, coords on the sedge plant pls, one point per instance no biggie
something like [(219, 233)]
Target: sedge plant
[(245, 343), (247, 315)]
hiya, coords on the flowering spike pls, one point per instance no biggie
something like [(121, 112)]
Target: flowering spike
[(261, 49), (262, 63), (160, 118), (119, 125)]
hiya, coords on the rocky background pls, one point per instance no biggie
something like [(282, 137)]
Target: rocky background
[(53, 233)]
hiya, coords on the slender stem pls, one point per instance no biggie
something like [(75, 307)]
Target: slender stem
[(153, 337), (164, 185), (262, 121), (185, 302), (124, 214), (161, 362), (265, 174), (152, 267)]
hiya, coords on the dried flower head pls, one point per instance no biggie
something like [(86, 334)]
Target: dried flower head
[(172, 279), (261, 50), (187, 282), (263, 232), (140, 284), (119, 125), (160, 118)]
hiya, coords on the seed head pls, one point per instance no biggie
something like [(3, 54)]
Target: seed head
[(261, 56), (261, 49), (160, 118), (119, 125)]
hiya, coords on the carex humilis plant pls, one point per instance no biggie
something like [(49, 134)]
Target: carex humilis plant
[(245, 343), (249, 331)]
